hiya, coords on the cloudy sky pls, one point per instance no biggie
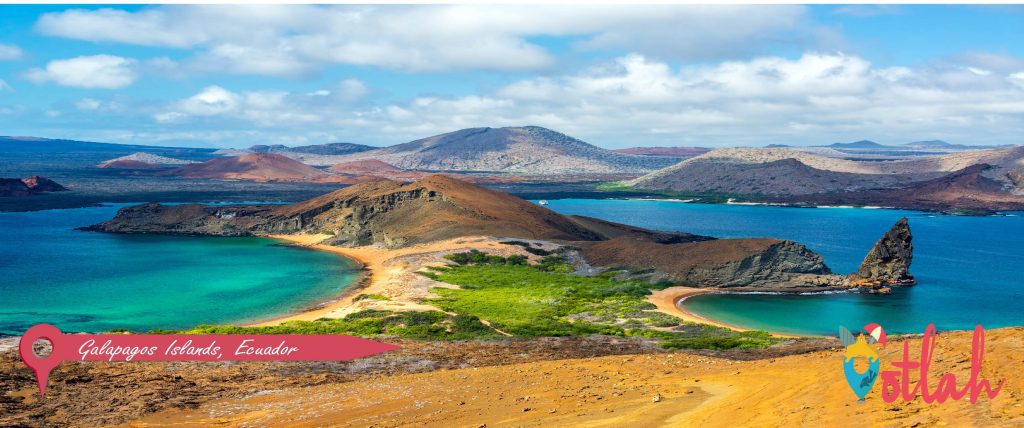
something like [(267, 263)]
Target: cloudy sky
[(233, 76)]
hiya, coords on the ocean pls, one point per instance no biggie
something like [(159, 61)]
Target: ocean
[(94, 282), (970, 270)]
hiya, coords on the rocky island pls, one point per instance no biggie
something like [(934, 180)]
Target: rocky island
[(34, 185)]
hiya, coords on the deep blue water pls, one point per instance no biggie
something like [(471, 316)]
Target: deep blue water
[(89, 281), (970, 270)]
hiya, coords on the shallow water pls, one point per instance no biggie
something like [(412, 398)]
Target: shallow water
[(90, 281), (969, 269)]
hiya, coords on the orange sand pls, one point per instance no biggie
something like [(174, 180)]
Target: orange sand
[(635, 390)]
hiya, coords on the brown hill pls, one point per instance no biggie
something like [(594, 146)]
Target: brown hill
[(254, 166), (776, 177), (967, 189), (28, 186), (676, 152)]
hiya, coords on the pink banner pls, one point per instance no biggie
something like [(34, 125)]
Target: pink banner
[(189, 347)]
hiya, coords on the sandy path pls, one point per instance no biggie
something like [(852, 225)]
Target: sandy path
[(636, 390), (390, 273)]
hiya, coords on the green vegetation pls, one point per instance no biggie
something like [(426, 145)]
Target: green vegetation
[(546, 299), (370, 297), (476, 257)]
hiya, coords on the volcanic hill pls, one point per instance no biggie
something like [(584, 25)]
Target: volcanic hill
[(254, 166), (967, 189), (529, 150)]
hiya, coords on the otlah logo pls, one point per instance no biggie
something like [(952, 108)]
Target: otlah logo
[(861, 382), (911, 379)]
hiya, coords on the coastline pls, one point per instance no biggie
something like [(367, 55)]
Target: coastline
[(668, 300)]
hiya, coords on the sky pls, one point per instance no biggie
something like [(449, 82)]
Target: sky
[(614, 76)]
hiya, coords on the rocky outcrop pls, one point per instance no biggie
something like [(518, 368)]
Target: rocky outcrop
[(1017, 178), (33, 185), (754, 263), (254, 166), (888, 262)]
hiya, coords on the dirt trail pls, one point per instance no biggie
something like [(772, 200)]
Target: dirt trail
[(636, 390)]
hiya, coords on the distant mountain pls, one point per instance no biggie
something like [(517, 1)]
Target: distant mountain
[(966, 189), (142, 160), (777, 146), (253, 166), (776, 177), (862, 144), (34, 185), (528, 150), (330, 149), (677, 152)]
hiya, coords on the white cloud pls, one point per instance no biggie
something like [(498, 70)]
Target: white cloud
[(4, 87), (1017, 79), (297, 40), (88, 104), (10, 52), (635, 100), (97, 71), (212, 101), (350, 90)]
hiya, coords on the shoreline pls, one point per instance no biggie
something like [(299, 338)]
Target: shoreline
[(668, 302), (336, 301)]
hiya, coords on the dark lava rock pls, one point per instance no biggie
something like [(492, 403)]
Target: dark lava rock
[(888, 262)]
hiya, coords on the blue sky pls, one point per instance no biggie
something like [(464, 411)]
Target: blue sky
[(615, 76)]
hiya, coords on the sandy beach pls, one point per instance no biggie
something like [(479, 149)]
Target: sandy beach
[(668, 300)]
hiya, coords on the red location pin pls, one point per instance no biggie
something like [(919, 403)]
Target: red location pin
[(188, 347)]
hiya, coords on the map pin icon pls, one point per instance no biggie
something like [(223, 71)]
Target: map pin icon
[(41, 365)]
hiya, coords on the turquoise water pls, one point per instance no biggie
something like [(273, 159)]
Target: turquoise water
[(89, 281), (970, 269)]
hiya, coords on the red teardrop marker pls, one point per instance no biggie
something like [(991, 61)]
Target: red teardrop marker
[(41, 365)]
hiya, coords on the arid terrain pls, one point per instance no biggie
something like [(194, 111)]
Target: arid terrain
[(542, 382)]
